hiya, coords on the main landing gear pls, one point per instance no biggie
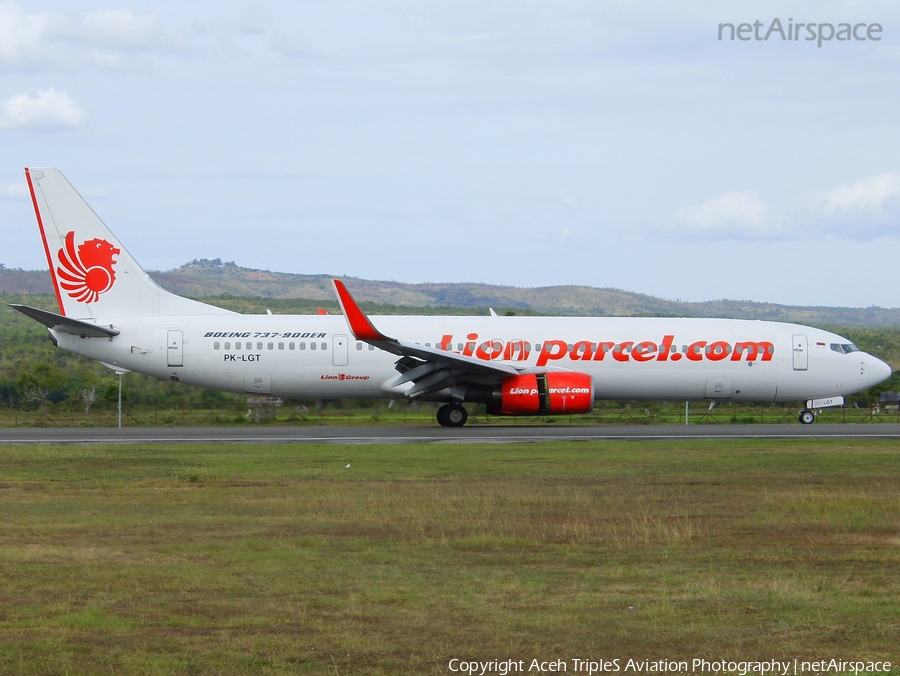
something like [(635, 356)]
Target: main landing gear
[(807, 417), (452, 415)]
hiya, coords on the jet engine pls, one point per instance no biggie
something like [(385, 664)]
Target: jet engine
[(553, 393)]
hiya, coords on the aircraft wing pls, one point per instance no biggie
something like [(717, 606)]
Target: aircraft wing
[(429, 369)]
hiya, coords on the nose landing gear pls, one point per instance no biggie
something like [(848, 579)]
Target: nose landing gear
[(807, 417), (452, 415)]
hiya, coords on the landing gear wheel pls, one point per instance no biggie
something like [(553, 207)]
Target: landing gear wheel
[(442, 415), (456, 415), (452, 415), (807, 417)]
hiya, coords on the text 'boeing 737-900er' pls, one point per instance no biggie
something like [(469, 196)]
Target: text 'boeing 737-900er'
[(110, 310)]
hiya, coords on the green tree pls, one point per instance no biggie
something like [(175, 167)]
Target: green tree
[(40, 381)]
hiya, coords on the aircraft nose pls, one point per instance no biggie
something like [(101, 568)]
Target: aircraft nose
[(878, 370)]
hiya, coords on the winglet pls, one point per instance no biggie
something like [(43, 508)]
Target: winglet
[(360, 325)]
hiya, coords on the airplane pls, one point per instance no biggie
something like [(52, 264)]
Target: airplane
[(110, 310)]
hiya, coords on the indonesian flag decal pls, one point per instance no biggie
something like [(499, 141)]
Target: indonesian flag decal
[(87, 272)]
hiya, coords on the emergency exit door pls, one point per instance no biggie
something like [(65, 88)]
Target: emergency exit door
[(801, 353), (174, 350), (339, 345)]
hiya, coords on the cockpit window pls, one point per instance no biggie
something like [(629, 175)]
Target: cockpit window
[(844, 348)]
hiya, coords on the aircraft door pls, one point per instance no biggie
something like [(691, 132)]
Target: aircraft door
[(339, 352), (801, 353), (175, 348)]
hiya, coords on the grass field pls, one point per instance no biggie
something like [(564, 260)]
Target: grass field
[(234, 559)]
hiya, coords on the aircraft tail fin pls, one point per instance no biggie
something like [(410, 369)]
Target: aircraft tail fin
[(93, 275)]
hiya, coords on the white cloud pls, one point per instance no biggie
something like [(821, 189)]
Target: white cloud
[(873, 196), (45, 109), (61, 40), (735, 214), (21, 34), (868, 208)]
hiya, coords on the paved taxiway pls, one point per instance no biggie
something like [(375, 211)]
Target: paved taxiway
[(435, 434)]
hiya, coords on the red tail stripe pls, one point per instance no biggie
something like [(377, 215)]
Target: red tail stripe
[(37, 212)]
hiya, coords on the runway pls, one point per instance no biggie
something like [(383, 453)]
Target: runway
[(435, 434)]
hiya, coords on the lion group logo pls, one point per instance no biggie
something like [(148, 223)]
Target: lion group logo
[(87, 272)]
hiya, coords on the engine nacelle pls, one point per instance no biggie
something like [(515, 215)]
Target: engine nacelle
[(544, 394)]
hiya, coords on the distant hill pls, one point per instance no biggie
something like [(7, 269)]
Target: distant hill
[(202, 279), (25, 281)]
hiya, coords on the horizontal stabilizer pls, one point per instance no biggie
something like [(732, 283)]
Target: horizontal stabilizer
[(59, 323)]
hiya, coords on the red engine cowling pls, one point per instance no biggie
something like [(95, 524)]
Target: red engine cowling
[(546, 394)]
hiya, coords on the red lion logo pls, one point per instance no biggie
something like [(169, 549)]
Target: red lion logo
[(88, 272)]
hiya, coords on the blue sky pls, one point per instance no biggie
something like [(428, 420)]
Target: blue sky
[(526, 143)]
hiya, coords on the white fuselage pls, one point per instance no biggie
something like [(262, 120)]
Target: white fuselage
[(316, 356)]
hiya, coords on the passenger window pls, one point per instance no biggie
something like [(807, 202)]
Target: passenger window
[(259, 346), (290, 346), (227, 346), (216, 345), (237, 345), (312, 346), (359, 346), (280, 346), (301, 346), (371, 347), (270, 346), (537, 347), (324, 346)]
